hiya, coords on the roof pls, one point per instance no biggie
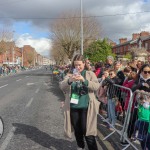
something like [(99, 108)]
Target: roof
[(125, 43), (143, 38)]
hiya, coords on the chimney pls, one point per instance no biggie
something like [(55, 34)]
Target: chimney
[(144, 33), (123, 40), (135, 36)]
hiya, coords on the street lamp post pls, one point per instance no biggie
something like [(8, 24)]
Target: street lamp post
[(81, 27), (13, 50)]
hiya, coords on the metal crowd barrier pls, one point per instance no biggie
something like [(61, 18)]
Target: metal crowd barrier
[(138, 120), (123, 95)]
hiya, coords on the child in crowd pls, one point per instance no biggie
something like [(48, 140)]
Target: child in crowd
[(111, 96), (142, 124), (146, 142), (118, 109)]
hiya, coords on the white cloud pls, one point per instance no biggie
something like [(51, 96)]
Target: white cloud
[(114, 27), (41, 45)]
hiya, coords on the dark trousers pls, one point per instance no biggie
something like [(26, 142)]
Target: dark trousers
[(78, 121), (142, 128), (145, 144), (133, 118)]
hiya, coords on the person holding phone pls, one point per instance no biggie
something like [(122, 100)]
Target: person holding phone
[(81, 106)]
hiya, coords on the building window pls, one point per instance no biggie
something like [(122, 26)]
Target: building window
[(140, 44), (117, 50), (128, 49), (146, 46)]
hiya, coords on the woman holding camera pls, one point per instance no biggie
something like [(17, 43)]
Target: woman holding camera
[(81, 107)]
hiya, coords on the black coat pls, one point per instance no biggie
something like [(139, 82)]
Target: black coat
[(139, 85), (121, 76), (113, 91)]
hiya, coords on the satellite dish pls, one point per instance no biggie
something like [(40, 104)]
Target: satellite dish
[(1, 127)]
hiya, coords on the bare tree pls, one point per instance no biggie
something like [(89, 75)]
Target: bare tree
[(58, 53), (66, 32), (6, 38)]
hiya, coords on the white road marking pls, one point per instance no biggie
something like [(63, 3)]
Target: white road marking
[(18, 79), (30, 83), (8, 138), (37, 91), (3, 86), (29, 103), (46, 84), (27, 76)]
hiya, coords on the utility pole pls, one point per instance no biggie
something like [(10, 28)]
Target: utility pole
[(13, 56), (81, 28)]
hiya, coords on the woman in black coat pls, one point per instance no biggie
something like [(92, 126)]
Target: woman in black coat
[(142, 83)]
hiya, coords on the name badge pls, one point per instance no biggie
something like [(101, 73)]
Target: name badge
[(74, 99)]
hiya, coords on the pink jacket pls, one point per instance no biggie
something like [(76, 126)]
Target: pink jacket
[(97, 72)]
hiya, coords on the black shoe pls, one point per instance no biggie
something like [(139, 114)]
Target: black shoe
[(124, 143)]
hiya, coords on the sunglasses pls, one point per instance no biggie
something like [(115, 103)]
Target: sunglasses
[(111, 74), (88, 63), (146, 72)]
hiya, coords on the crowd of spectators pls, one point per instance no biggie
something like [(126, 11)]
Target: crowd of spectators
[(134, 75), (6, 70)]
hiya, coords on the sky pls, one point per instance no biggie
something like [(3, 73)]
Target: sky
[(29, 18)]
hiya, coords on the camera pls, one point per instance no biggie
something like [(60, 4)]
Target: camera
[(82, 89)]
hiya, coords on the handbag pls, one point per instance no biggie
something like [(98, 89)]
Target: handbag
[(101, 95)]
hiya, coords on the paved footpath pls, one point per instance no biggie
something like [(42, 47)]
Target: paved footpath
[(54, 87)]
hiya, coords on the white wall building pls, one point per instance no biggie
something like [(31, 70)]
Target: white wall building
[(46, 61)]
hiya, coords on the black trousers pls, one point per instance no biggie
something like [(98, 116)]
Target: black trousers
[(78, 121), (133, 118)]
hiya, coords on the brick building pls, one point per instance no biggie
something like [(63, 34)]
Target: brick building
[(11, 55), (31, 57), (139, 40), (26, 56)]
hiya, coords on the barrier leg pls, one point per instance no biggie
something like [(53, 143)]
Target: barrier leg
[(109, 135)]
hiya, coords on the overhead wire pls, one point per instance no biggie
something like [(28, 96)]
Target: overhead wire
[(97, 16), (11, 2)]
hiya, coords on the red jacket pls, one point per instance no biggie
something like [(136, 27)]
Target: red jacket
[(119, 107)]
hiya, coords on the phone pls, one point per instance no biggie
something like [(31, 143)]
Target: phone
[(76, 72)]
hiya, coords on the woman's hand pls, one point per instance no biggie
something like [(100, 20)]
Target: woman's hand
[(146, 85), (71, 78), (79, 78), (103, 77)]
